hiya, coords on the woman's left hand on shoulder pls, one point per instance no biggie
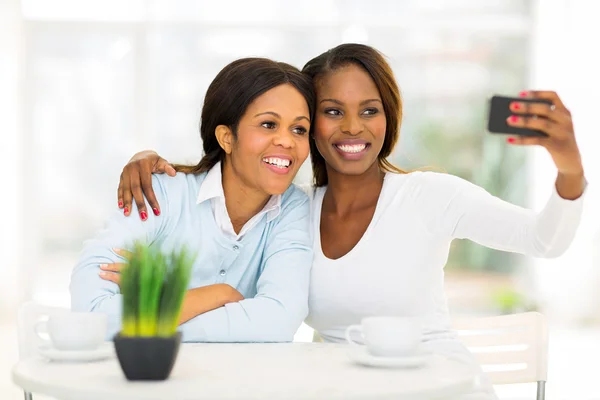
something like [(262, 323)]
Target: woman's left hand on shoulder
[(554, 120)]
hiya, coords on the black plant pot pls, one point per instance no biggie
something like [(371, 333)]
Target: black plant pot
[(147, 358)]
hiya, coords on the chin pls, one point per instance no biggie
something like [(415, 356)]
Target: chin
[(349, 168)]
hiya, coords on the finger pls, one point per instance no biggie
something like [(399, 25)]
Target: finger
[(126, 188), (116, 267), (170, 170), (160, 166), (545, 95), (542, 110), (146, 181), (120, 192), (110, 276), (549, 95), (526, 141), (540, 124), (123, 253), (138, 195)]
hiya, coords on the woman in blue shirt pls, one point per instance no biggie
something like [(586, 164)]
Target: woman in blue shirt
[(236, 208)]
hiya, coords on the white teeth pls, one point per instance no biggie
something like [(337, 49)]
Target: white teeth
[(352, 148), (278, 162)]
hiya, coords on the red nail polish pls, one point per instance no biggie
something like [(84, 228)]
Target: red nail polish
[(120, 204), (514, 119), (144, 215), (510, 140), (515, 106), (156, 212), (524, 93), (126, 210)]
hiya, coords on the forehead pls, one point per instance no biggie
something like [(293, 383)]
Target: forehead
[(281, 99), (349, 82)]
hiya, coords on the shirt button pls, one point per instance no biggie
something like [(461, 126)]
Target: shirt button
[(236, 247), (222, 272)]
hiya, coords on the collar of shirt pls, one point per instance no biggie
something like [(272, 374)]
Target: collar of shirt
[(212, 189)]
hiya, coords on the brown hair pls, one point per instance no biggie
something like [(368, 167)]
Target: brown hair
[(373, 62), (230, 94)]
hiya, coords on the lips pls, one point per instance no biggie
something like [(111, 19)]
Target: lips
[(352, 149), (278, 163)]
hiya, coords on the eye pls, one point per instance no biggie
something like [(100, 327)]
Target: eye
[(370, 111), (269, 125), (300, 130), (333, 111)]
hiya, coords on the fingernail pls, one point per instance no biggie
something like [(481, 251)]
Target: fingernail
[(116, 250), (120, 204), (510, 140), (126, 210), (524, 93), (156, 212), (144, 215), (513, 119), (515, 106), (103, 266), (102, 273)]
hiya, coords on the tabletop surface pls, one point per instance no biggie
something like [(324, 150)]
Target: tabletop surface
[(248, 371)]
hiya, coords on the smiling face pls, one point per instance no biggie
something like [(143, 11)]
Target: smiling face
[(350, 122), (272, 141)]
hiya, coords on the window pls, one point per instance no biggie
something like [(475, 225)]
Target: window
[(107, 79)]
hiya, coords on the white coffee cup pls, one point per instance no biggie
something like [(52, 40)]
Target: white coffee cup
[(388, 336), (73, 330)]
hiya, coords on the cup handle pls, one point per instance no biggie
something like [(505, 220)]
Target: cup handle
[(349, 330), (41, 327)]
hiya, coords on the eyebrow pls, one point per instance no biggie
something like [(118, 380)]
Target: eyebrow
[(341, 104), (279, 116)]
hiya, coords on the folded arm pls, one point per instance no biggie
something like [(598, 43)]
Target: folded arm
[(91, 293), (281, 302)]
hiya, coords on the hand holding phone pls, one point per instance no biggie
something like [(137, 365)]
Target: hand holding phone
[(499, 112), (540, 118)]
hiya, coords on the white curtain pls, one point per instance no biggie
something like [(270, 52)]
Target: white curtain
[(10, 155), (565, 59)]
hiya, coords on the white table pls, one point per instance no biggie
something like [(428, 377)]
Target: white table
[(248, 371)]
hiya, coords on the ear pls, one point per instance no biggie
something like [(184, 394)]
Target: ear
[(224, 137)]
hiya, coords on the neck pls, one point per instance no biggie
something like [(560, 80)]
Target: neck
[(346, 193), (242, 201)]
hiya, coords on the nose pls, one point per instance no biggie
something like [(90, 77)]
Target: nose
[(284, 138), (351, 125)]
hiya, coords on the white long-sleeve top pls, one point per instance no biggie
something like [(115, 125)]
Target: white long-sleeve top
[(397, 267)]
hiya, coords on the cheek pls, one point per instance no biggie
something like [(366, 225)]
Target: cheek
[(303, 148), (324, 127), (250, 143), (377, 126)]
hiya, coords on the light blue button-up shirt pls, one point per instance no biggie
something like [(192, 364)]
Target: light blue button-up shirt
[(270, 265)]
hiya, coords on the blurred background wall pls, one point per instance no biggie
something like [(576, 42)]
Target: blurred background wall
[(86, 84)]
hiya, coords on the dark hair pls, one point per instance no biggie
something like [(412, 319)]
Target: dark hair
[(373, 62), (230, 94)]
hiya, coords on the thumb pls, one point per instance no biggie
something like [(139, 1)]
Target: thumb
[(160, 167), (170, 170)]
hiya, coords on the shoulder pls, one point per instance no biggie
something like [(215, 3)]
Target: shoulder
[(174, 190), (307, 188), (295, 207), (438, 184), (294, 196)]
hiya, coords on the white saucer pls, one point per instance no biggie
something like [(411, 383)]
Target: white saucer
[(360, 355), (104, 351)]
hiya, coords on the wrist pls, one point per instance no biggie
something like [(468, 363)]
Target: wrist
[(570, 185), (227, 293), (572, 172)]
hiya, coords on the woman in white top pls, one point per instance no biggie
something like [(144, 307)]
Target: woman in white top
[(382, 235)]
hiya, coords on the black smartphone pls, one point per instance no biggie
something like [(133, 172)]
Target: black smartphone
[(499, 112)]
